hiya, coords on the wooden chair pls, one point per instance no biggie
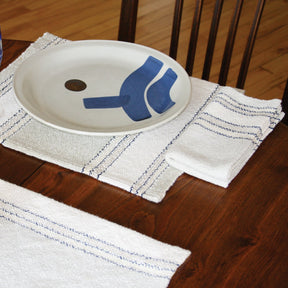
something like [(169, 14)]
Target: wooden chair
[(127, 29), (128, 20)]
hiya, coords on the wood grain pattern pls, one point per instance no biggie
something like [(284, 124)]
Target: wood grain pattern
[(12, 161), (238, 236), (11, 50), (98, 19), (128, 20)]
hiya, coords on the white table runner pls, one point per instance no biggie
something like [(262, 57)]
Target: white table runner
[(44, 243), (135, 163)]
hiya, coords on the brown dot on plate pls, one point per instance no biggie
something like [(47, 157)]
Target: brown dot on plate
[(75, 85)]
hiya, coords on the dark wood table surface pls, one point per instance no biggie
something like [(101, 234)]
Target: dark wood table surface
[(238, 236)]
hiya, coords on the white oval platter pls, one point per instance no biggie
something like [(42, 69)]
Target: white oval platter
[(103, 66)]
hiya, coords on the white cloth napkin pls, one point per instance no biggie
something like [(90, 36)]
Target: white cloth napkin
[(44, 243), (224, 135), (135, 163)]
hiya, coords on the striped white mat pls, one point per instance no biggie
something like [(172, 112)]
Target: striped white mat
[(44, 243)]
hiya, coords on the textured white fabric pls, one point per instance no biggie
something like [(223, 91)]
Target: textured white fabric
[(135, 163), (44, 243), (224, 135)]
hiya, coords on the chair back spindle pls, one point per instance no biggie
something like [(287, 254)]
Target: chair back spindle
[(128, 20), (230, 43), (249, 46), (194, 37), (212, 39), (176, 28), (127, 30)]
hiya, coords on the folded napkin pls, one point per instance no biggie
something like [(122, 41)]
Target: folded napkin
[(224, 135), (44, 243)]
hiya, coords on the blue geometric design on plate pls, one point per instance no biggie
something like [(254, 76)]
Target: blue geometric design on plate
[(132, 92)]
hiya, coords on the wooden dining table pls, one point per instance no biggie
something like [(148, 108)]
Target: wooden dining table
[(238, 236)]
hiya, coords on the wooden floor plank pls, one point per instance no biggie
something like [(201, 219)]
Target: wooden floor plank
[(98, 19)]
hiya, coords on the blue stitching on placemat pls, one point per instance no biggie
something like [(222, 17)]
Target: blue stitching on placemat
[(111, 153), (54, 40), (105, 159), (16, 123), (246, 105), (227, 136), (24, 124), (227, 129), (170, 143), (233, 124), (250, 113), (9, 119), (272, 115), (3, 93), (260, 141), (133, 262), (7, 85), (153, 182), (126, 147), (12, 75), (9, 89), (99, 152), (83, 250), (247, 112), (85, 234)]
